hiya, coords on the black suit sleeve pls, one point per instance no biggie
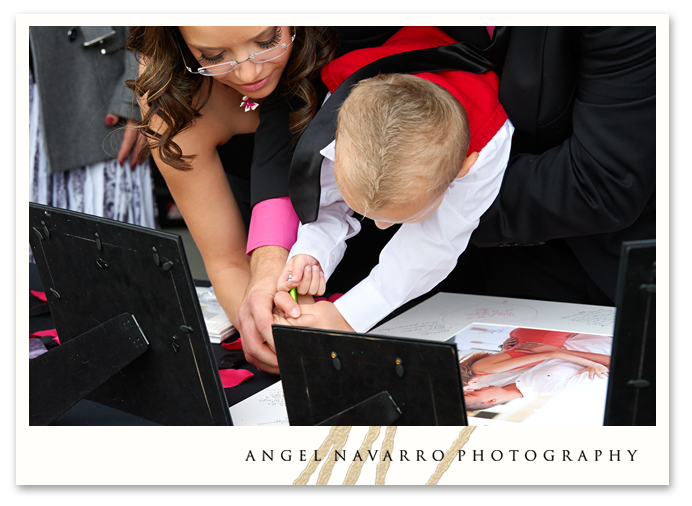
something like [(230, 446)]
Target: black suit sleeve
[(273, 150), (601, 178)]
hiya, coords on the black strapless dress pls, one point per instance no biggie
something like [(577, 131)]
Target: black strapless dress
[(236, 157)]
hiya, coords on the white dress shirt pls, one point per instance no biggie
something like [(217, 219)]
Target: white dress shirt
[(558, 375), (420, 255)]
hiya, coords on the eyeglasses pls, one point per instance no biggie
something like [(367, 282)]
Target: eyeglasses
[(224, 68)]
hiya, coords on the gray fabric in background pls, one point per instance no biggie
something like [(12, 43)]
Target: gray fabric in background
[(78, 87), (105, 188)]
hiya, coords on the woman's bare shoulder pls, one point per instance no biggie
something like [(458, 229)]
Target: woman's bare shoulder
[(220, 118)]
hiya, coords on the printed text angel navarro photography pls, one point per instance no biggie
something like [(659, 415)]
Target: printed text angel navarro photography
[(438, 455)]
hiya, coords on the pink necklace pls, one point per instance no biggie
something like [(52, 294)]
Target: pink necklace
[(249, 106)]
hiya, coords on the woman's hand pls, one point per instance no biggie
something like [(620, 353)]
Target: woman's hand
[(133, 141), (596, 370)]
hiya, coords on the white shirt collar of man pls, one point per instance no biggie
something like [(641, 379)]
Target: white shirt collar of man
[(329, 152)]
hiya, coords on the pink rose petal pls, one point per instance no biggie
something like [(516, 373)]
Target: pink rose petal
[(233, 377), (39, 295), (235, 345)]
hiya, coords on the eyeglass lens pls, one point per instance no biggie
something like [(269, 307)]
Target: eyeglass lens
[(261, 57)]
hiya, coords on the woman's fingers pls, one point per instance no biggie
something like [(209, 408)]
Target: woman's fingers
[(137, 150)]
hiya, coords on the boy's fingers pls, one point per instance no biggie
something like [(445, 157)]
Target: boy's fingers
[(314, 280), (304, 286), (283, 283), (298, 269), (323, 284)]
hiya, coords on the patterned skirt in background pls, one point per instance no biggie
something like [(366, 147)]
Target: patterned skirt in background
[(105, 189)]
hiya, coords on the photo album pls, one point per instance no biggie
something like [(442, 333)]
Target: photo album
[(522, 361)]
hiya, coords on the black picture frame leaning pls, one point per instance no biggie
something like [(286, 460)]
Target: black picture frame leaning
[(631, 398), (95, 269), (350, 374)]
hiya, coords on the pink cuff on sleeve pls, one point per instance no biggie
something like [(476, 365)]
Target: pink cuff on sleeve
[(274, 222)]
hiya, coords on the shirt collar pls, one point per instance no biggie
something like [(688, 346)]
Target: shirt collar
[(330, 151)]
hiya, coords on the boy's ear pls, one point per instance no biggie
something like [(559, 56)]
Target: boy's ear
[(468, 163)]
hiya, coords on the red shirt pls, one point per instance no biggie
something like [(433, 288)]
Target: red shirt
[(476, 92)]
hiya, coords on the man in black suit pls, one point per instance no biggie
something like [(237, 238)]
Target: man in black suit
[(581, 175)]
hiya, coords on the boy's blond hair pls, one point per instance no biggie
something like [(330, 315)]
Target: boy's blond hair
[(399, 136)]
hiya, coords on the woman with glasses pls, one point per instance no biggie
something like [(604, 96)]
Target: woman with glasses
[(202, 91)]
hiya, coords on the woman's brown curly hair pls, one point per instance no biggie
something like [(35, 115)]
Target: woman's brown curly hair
[(176, 96)]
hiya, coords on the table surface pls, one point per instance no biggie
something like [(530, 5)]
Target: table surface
[(87, 412)]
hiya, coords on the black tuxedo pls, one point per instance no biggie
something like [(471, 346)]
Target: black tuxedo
[(582, 172)]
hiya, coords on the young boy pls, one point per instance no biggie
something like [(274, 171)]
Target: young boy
[(427, 151)]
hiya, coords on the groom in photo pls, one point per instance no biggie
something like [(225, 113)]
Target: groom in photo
[(549, 377)]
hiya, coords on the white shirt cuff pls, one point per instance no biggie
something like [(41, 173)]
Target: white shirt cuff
[(363, 306)]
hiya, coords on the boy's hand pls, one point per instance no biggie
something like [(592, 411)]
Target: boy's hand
[(320, 315), (304, 273)]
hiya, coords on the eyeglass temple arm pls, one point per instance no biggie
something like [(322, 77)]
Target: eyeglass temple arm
[(184, 62)]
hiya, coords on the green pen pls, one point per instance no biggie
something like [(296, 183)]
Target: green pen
[(293, 291)]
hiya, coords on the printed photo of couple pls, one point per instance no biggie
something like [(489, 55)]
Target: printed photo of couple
[(532, 376)]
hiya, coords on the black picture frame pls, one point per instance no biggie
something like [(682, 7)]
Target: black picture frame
[(94, 269), (327, 373), (631, 398)]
